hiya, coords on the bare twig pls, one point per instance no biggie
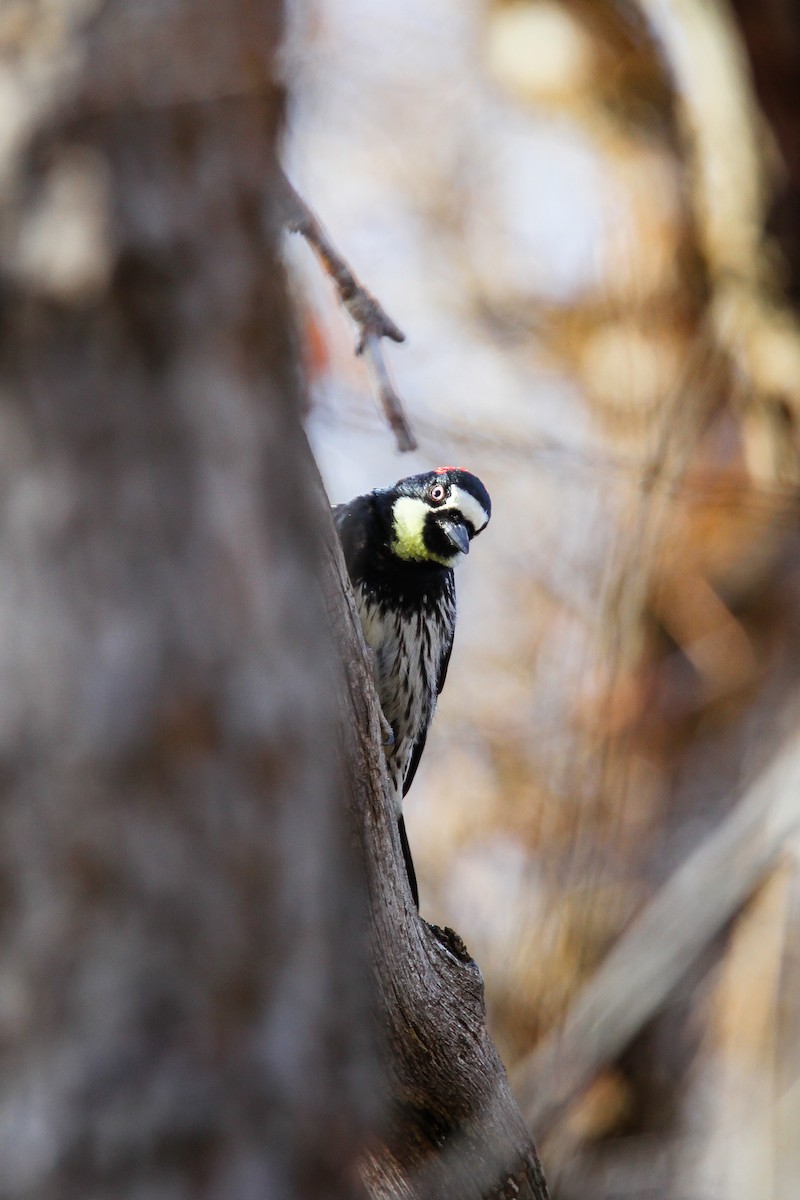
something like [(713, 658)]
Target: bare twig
[(372, 322), (652, 957)]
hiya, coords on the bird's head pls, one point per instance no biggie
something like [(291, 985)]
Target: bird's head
[(435, 516)]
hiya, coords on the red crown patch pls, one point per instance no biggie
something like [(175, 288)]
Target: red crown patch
[(444, 470)]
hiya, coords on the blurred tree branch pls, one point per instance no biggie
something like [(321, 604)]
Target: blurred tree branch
[(733, 171), (655, 953), (367, 314), (183, 958), (769, 29)]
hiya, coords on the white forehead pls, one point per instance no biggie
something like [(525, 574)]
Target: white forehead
[(468, 506)]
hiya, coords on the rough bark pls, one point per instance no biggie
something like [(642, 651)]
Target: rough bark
[(183, 991)]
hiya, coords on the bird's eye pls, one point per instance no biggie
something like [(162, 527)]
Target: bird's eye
[(437, 493)]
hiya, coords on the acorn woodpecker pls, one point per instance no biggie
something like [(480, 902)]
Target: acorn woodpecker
[(400, 546)]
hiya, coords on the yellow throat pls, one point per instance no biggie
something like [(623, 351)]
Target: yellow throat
[(409, 515)]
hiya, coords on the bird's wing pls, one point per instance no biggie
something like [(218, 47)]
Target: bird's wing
[(419, 745), (447, 641), (353, 523), (444, 663)]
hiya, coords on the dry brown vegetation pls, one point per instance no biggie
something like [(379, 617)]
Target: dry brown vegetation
[(607, 813)]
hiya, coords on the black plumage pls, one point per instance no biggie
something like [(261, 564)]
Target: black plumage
[(400, 545)]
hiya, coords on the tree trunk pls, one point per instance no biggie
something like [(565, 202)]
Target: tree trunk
[(181, 955), (453, 1127)]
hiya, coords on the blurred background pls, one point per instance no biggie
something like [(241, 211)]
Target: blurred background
[(585, 216)]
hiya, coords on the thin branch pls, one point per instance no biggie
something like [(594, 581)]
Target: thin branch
[(651, 958), (372, 322)]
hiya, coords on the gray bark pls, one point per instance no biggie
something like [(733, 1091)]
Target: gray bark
[(182, 977), (453, 1128)]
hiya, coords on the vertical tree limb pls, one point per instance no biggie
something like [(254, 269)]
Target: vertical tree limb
[(454, 1129), (184, 998)]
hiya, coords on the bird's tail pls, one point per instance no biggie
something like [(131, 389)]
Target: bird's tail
[(412, 875)]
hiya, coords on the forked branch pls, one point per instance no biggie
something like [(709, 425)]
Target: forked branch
[(372, 322)]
